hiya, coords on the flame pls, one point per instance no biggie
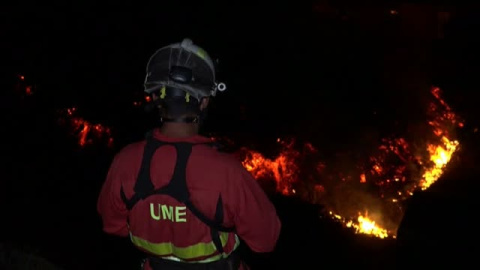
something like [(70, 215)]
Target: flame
[(86, 131), (363, 225), (397, 170), (367, 226), (440, 155), (282, 169)]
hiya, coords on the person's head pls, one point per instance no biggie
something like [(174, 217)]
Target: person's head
[(181, 78)]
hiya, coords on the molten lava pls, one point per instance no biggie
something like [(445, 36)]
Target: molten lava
[(396, 170)]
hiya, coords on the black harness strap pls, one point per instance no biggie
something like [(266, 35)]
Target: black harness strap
[(143, 186), (176, 188)]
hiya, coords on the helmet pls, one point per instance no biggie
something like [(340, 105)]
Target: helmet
[(184, 68)]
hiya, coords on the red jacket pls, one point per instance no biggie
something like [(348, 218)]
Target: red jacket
[(162, 226)]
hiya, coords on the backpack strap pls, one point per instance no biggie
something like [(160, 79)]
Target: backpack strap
[(143, 186), (176, 188)]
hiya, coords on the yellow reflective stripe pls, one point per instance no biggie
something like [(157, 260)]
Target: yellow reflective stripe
[(201, 53), (163, 92), (184, 253)]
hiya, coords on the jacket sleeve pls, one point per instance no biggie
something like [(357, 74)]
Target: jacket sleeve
[(255, 217), (110, 205)]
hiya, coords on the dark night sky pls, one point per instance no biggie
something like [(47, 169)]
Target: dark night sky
[(321, 65)]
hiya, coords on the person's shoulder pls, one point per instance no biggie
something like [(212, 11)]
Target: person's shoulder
[(130, 150), (221, 153), (226, 160)]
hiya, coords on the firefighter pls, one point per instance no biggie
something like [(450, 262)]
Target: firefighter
[(181, 201)]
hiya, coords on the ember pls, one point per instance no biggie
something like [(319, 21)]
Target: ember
[(395, 172), (24, 88), (85, 130), (140, 103)]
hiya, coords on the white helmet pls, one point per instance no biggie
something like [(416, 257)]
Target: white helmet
[(183, 67)]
